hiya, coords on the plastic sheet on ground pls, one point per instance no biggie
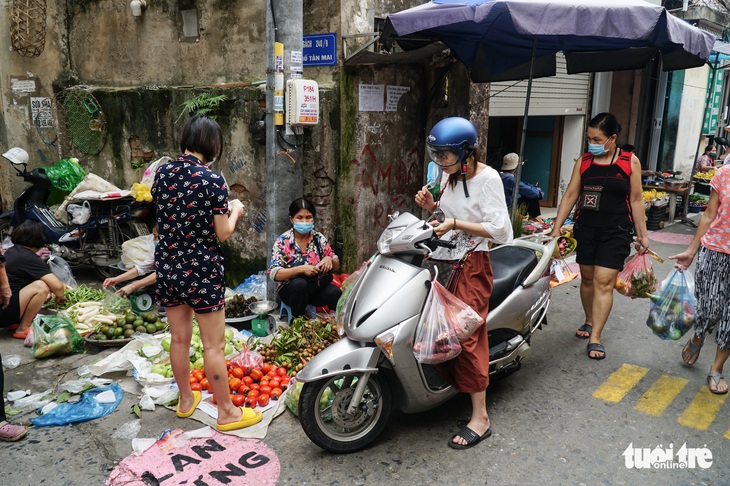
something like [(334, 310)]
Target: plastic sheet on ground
[(88, 408)]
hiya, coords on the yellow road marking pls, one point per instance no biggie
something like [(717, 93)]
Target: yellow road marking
[(660, 395), (620, 382), (703, 410), (727, 434)]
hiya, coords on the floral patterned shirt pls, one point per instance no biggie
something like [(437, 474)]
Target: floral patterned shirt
[(287, 254), (717, 237)]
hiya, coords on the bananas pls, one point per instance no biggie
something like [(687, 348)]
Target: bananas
[(705, 176), (651, 194), (141, 193)]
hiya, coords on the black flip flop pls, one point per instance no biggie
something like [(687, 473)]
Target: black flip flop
[(471, 437), (596, 347), (585, 328)]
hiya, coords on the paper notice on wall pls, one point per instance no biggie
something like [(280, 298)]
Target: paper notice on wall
[(22, 86), (370, 97), (393, 95), (40, 109)]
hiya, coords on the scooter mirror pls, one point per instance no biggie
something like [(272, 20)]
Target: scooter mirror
[(437, 215), (393, 217)]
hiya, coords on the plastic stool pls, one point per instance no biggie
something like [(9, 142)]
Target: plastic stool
[(311, 310)]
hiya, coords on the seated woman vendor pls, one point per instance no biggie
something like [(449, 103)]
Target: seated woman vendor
[(29, 277), (302, 262)]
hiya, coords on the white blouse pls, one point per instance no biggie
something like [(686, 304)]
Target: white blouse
[(485, 205)]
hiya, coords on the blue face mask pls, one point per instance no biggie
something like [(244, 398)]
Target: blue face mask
[(303, 228), (597, 149)]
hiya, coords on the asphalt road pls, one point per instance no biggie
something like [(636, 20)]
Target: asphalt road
[(561, 419)]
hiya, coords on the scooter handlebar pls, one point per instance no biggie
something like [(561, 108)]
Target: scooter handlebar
[(439, 242)]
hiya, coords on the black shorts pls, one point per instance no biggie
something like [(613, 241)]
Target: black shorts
[(10, 315), (603, 246)]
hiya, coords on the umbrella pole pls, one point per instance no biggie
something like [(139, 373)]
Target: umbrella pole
[(685, 201), (518, 172)]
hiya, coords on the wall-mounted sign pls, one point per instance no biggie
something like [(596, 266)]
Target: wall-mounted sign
[(320, 50)]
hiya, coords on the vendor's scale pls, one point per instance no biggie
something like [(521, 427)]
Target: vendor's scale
[(264, 324)]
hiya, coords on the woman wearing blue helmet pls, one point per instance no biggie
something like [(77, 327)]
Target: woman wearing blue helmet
[(472, 199)]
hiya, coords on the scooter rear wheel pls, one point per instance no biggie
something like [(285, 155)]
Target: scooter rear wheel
[(323, 412)]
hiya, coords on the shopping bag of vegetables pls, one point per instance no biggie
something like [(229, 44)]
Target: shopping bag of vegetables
[(637, 279), (436, 339), (672, 311), (55, 336)]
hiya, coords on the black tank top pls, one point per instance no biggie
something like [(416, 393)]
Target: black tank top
[(605, 192)]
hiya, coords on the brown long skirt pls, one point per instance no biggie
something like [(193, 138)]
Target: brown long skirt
[(469, 371)]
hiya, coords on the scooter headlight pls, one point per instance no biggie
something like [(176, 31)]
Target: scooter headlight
[(387, 237)]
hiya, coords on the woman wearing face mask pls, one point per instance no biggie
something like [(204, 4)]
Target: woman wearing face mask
[(302, 262), (606, 184), (706, 162)]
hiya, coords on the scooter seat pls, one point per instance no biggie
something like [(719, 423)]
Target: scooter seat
[(510, 265)]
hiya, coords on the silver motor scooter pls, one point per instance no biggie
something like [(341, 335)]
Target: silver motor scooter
[(350, 388)]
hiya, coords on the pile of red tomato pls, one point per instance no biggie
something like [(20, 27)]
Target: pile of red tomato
[(248, 388)]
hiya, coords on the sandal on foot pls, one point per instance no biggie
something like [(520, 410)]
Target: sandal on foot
[(597, 347), (584, 328), (471, 438), (21, 335), (693, 350), (249, 417), (197, 396), (715, 377), (11, 433)]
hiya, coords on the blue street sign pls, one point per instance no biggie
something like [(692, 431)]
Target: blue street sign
[(320, 50)]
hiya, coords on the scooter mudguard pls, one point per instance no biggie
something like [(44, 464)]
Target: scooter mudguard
[(343, 357)]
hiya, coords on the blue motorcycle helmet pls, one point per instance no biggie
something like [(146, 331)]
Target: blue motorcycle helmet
[(454, 134)]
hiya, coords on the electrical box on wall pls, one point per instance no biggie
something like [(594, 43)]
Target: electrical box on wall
[(302, 102)]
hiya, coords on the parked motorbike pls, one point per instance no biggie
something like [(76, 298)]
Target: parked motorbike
[(96, 242), (350, 389)]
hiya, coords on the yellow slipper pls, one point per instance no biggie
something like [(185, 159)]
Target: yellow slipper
[(249, 417), (197, 396)]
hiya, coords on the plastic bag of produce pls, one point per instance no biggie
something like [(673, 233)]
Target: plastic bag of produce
[(248, 359), (55, 336), (292, 396), (137, 250), (637, 279), (672, 311), (65, 174), (62, 270), (436, 339), (348, 284), (463, 319)]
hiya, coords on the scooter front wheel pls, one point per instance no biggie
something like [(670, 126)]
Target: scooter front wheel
[(323, 412)]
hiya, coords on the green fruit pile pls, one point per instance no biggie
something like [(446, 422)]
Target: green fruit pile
[(128, 324)]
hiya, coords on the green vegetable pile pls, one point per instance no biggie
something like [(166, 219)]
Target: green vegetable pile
[(642, 283), (300, 342), (82, 293)]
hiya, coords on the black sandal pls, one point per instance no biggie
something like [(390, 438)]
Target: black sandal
[(471, 438), (598, 347), (584, 328)]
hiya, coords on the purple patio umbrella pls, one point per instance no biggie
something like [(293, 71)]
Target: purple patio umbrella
[(501, 40)]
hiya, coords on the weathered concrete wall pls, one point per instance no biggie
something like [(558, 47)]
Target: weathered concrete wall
[(107, 45), (381, 164), (358, 166)]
